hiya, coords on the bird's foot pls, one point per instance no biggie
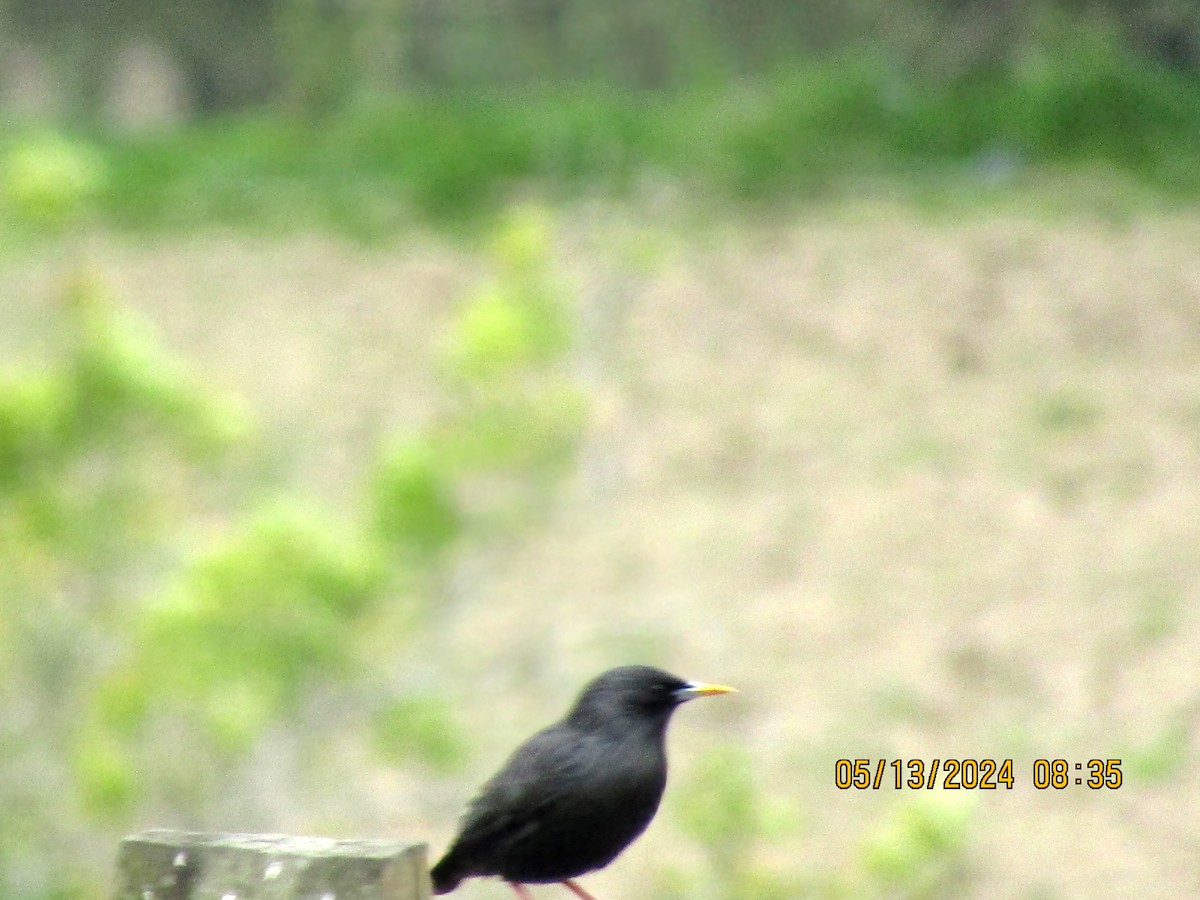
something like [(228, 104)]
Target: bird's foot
[(522, 891), (577, 890)]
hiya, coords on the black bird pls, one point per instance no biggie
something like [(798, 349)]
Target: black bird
[(576, 794)]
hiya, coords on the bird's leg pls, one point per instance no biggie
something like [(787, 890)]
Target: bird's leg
[(577, 890), (522, 891)]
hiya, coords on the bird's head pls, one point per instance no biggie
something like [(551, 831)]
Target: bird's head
[(630, 694)]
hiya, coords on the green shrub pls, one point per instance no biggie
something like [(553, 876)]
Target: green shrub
[(1074, 100), (49, 181), (724, 810), (920, 850), (161, 674)]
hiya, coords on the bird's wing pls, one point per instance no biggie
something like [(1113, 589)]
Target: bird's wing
[(512, 806)]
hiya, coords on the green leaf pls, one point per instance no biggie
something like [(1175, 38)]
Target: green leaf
[(415, 509), (419, 727)]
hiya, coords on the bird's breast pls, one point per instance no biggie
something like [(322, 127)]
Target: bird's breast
[(613, 794), (623, 794)]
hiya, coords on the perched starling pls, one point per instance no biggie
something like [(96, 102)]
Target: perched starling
[(575, 794)]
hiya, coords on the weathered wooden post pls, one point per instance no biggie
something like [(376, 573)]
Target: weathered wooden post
[(178, 865)]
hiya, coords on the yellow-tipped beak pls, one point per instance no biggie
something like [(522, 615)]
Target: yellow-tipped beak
[(701, 689)]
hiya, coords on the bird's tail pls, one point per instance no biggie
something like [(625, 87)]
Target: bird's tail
[(444, 877)]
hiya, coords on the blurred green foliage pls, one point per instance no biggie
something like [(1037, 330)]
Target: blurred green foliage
[(920, 851), (49, 181), (126, 382), (251, 624), (102, 449), (1077, 100), (516, 409), (416, 512), (105, 450), (516, 324), (156, 637), (417, 726), (1066, 411), (1162, 755), (84, 439), (725, 811)]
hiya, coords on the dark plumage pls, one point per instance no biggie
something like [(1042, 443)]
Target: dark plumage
[(574, 795)]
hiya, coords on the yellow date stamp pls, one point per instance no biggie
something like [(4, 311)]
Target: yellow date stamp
[(973, 774)]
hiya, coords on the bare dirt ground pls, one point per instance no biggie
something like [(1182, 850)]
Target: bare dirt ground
[(920, 488)]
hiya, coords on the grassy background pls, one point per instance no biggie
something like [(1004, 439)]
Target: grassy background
[(875, 399), (816, 130)]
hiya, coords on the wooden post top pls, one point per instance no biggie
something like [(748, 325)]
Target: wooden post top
[(181, 865)]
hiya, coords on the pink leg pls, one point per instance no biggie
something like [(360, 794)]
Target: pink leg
[(577, 890), (522, 891)]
